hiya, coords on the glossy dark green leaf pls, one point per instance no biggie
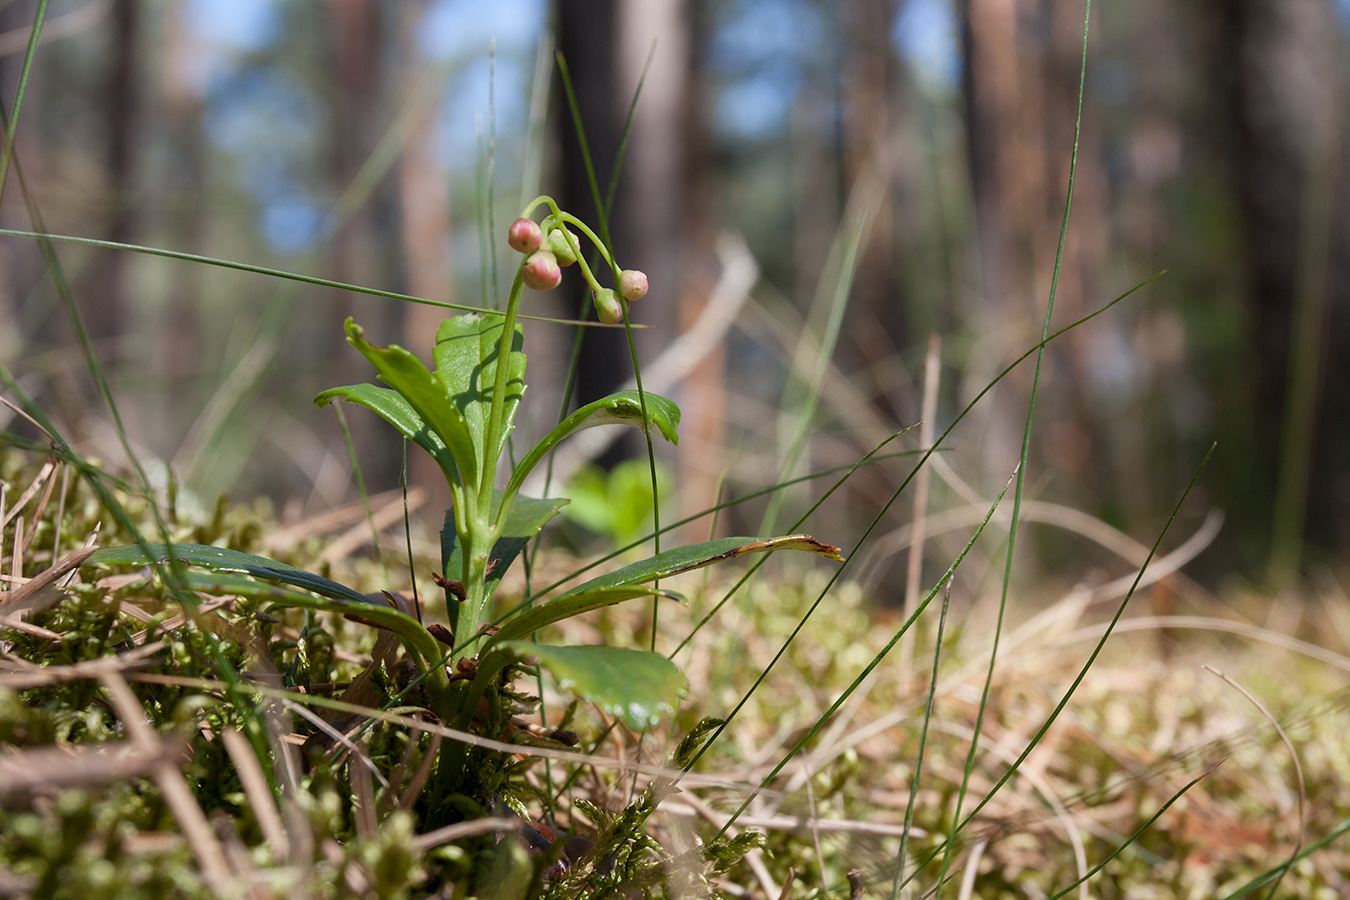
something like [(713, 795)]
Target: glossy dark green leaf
[(390, 405), (568, 605), (622, 408), (637, 686), (377, 613), (695, 556), (423, 390), (221, 559), (466, 354)]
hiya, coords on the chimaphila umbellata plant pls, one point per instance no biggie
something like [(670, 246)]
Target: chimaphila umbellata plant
[(461, 410)]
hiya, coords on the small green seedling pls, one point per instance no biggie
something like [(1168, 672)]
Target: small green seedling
[(461, 411)]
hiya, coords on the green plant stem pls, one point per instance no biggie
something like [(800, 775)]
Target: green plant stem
[(12, 126)]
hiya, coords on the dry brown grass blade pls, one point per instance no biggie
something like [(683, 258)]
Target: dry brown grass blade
[(260, 801), (43, 476), (283, 539), (47, 771), (931, 373), (31, 676), (461, 830), (793, 824), (173, 787), (39, 592), (1293, 755), (293, 701), (359, 535)]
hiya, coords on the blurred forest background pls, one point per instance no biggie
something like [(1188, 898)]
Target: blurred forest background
[(373, 142)]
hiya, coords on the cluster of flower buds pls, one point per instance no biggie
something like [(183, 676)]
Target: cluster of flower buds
[(547, 255)]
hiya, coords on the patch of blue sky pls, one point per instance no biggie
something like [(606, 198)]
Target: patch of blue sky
[(244, 26), (1343, 7), (291, 223), (763, 30), (268, 126), (453, 29), (225, 31), (926, 36), (465, 112), (757, 106)]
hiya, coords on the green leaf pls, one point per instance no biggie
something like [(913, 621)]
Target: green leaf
[(466, 364), (390, 405), (526, 518), (623, 408), (425, 393), (638, 686), (379, 614), (222, 559), (695, 556), (568, 605)]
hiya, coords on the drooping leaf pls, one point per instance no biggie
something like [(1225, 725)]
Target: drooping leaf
[(466, 354), (695, 556), (568, 605), (222, 559), (528, 515), (638, 686), (423, 390), (390, 405), (379, 614), (622, 408)]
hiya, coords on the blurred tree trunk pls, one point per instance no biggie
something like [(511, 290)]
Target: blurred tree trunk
[(176, 350), (357, 116), (1281, 62), (868, 74), (424, 192), (587, 40), (102, 290), (364, 250), (1021, 92), (606, 46)]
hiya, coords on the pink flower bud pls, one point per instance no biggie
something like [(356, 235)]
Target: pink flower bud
[(608, 306), (524, 235), (633, 284), (540, 271), (558, 243)]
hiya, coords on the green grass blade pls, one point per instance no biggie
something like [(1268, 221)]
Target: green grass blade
[(1022, 464), (960, 823), (866, 670), (12, 126), (843, 266), (923, 740)]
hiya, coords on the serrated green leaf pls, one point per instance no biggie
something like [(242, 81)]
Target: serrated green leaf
[(622, 408), (466, 364), (569, 605), (638, 686), (391, 406), (407, 375), (222, 559), (695, 556)]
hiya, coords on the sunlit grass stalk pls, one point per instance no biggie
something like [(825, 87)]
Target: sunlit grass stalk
[(947, 846), (1022, 464), (876, 520), (25, 72), (923, 741), (876, 660)]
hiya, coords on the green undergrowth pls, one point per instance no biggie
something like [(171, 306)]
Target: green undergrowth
[(86, 803)]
